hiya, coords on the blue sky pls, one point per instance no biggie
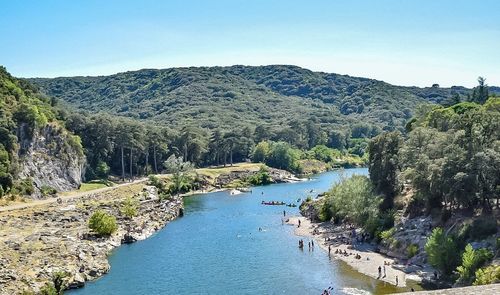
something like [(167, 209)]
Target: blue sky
[(450, 42)]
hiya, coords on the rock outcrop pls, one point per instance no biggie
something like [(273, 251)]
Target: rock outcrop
[(51, 158)]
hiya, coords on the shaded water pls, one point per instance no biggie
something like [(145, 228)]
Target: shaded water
[(217, 248)]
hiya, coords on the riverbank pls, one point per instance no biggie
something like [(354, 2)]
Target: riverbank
[(326, 234), (36, 242), (42, 237)]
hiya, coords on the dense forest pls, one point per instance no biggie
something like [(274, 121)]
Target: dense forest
[(238, 96)]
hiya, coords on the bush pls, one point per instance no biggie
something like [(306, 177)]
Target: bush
[(261, 178), (487, 275), (442, 251), (23, 187), (471, 261), (47, 190), (412, 250), (103, 223), (129, 207)]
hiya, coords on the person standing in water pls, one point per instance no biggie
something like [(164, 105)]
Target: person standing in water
[(284, 213), (329, 249)]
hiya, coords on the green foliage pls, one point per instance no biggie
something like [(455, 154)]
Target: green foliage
[(353, 200), (387, 234), (412, 250), (23, 187), (260, 178), (129, 207), (181, 180), (471, 261), (47, 190), (261, 151), (283, 156), (263, 95), (442, 251), (157, 182), (102, 170), (450, 158), (56, 286), (487, 275), (383, 165), (103, 223)]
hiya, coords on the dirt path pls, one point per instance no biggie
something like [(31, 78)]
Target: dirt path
[(67, 196)]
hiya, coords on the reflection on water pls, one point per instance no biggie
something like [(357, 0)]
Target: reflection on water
[(217, 248)]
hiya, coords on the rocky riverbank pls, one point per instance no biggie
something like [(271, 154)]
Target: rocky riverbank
[(39, 241)]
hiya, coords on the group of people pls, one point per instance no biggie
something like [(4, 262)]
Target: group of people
[(327, 291), (309, 244)]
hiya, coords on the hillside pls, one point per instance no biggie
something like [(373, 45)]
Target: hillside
[(235, 96), (37, 154)]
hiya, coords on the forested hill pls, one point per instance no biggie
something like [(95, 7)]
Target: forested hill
[(229, 97), (37, 154)]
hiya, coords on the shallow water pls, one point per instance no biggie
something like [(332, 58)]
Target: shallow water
[(217, 248)]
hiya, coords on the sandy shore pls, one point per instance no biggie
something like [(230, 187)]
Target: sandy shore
[(369, 262)]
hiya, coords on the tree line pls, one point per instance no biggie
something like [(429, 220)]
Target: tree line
[(129, 148)]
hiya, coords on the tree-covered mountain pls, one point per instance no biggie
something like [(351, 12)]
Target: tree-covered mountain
[(237, 96)]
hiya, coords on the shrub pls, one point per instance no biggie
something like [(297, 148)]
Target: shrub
[(103, 223), (387, 234), (23, 187), (47, 190), (471, 261), (261, 178), (412, 250), (129, 207), (487, 275), (442, 251)]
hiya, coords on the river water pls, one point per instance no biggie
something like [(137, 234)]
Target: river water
[(217, 248)]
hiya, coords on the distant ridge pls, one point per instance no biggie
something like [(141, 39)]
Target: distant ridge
[(213, 97)]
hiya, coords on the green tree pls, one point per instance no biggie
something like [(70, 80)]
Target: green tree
[(480, 93), (261, 151), (442, 251), (283, 156), (384, 165), (471, 261), (180, 170), (353, 200)]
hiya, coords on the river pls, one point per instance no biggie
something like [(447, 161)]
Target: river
[(217, 248)]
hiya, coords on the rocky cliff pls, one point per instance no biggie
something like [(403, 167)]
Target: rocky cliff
[(51, 158)]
